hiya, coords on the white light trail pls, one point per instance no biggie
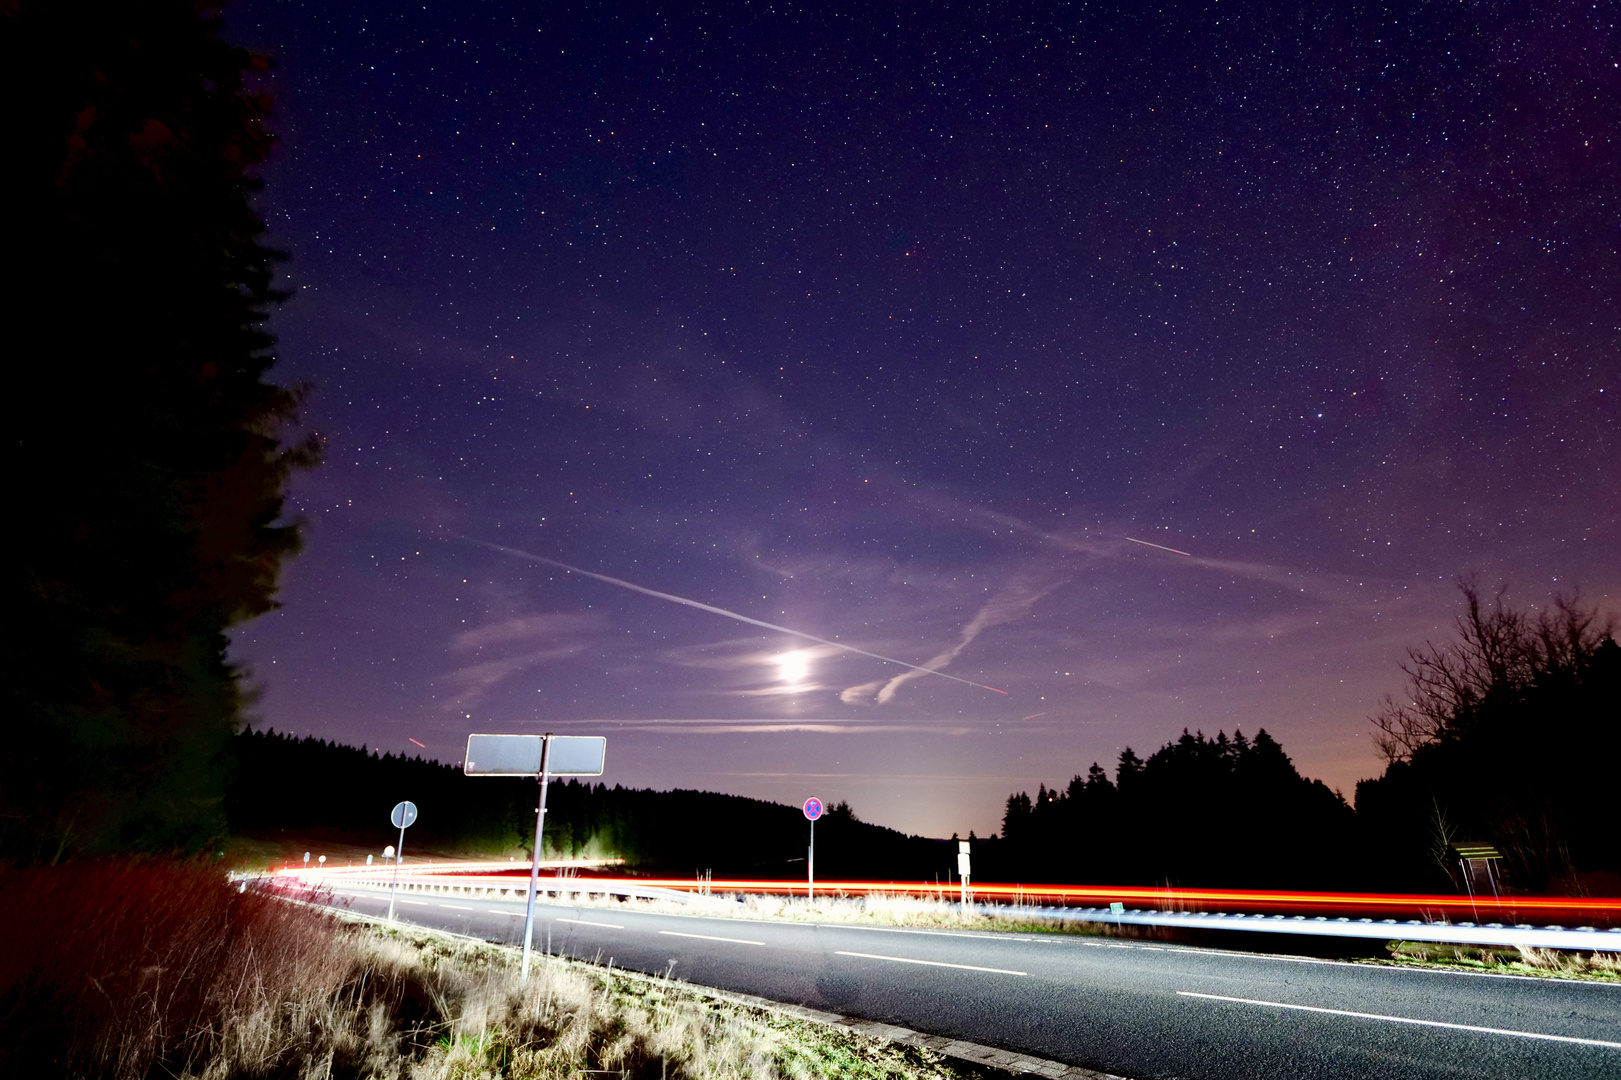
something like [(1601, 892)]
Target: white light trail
[(1162, 547)]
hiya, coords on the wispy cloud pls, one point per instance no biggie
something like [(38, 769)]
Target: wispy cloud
[(523, 641), (527, 629), (1013, 602)]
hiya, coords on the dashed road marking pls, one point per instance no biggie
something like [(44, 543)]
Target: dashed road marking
[(1407, 1020), (711, 937), (588, 922), (930, 963)]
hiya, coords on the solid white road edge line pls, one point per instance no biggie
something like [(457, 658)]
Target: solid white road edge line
[(1409, 1020), (711, 937), (588, 922), (929, 963)]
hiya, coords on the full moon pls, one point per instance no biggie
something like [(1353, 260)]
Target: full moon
[(793, 667)]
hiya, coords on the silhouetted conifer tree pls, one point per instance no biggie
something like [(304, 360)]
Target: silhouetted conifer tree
[(1199, 811), (1504, 733), (146, 472)]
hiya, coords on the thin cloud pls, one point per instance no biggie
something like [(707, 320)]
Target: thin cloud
[(1013, 602), (522, 642)]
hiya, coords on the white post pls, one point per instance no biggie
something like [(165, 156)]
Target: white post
[(399, 853), (964, 869), (534, 863), (810, 865)]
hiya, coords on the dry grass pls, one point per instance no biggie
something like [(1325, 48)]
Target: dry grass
[(1598, 966), (132, 970), (871, 910)]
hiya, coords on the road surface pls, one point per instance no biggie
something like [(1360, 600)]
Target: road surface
[(1134, 1009)]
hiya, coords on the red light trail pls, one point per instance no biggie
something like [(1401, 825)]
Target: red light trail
[(1269, 900)]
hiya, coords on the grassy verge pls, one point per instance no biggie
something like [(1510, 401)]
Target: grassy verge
[(874, 910), (134, 969), (1547, 963)]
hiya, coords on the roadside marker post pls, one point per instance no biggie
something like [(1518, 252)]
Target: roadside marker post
[(402, 816), (963, 868), (813, 810), (543, 757)]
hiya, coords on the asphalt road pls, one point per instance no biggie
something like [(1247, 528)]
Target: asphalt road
[(1134, 1009)]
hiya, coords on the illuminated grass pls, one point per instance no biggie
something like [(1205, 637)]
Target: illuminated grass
[(132, 969), (1547, 963), (874, 910)]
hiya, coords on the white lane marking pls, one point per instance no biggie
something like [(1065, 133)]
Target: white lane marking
[(588, 922), (711, 937), (929, 963), (1409, 1020), (458, 907), (418, 903)]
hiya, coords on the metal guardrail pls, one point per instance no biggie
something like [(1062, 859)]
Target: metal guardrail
[(496, 888), (1582, 938)]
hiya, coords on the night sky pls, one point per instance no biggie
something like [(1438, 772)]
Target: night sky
[(915, 330)]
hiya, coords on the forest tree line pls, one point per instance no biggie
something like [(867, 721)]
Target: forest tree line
[(1508, 735), (298, 786)]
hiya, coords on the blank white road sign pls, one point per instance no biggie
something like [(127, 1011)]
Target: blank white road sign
[(519, 755)]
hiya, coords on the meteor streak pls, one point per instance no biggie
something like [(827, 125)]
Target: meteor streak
[(713, 610), (1162, 547)]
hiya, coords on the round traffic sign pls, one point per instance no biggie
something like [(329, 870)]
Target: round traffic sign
[(404, 814), (813, 808)]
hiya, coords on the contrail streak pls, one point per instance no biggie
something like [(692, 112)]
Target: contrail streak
[(515, 552), (1162, 547)]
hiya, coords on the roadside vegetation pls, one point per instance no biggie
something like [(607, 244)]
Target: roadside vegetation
[(130, 969), (1547, 963)]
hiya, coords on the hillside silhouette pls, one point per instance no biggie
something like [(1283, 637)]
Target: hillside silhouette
[(283, 783)]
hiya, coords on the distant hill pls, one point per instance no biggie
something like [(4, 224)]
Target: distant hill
[(287, 783)]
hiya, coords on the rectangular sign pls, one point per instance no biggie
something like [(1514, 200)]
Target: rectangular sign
[(519, 755)]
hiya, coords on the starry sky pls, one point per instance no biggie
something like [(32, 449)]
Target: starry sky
[(1130, 368)]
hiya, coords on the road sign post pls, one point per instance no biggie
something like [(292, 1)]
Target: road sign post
[(813, 810), (541, 756), (402, 817), (963, 869)]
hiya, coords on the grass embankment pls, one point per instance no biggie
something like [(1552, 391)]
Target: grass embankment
[(1547, 963), (128, 970)]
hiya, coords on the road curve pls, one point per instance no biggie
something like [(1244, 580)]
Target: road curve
[(1134, 1009)]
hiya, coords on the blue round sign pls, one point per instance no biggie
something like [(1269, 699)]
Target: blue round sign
[(813, 808)]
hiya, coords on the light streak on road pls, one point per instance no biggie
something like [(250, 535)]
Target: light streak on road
[(506, 875)]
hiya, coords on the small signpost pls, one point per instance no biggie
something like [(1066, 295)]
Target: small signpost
[(1473, 858), (543, 757), (963, 870), (402, 817), (813, 810)]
